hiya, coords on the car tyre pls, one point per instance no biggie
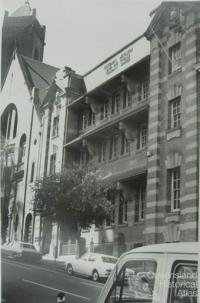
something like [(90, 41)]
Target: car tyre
[(69, 269), (95, 275)]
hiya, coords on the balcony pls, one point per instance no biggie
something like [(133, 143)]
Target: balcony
[(112, 119), (124, 167), (18, 171), (120, 167)]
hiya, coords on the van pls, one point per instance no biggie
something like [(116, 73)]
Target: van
[(160, 273)]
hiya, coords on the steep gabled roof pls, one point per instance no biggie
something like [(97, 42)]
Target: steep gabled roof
[(24, 10), (37, 74)]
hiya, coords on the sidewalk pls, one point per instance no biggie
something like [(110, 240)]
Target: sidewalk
[(59, 262)]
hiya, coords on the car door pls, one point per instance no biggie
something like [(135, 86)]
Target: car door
[(183, 279), (126, 284), (81, 264), (91, 264)]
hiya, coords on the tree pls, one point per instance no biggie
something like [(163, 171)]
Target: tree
[(74, 196)]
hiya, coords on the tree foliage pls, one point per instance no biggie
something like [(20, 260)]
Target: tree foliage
[(73, 196)]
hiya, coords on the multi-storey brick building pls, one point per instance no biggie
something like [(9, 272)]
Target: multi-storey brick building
[(173, 138), (137, 124), (109, 134)]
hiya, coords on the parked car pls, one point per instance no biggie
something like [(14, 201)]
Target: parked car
[(23, 251), (166, 273), (92, 265), (61, 261)]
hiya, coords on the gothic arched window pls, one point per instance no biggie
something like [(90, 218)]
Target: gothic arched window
[(9, 121)]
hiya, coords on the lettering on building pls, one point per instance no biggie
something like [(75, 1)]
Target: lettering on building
[(113, 65)]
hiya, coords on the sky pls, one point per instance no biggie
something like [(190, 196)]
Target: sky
[(82, 33)]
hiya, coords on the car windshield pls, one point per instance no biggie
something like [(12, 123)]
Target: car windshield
[(109, 260), (134, 283), (26, 245)]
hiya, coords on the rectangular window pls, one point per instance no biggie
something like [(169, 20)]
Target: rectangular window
[(142, 136), (104, 110), (175, 113), (91, 117), (125, 146), (85, 118), (143, 89), (175, 186), (114, 141), (140, 203), (127, 98), (123, 209), (84, 157), (111, 220), (175, 58), (115, 103), (55, 126), (88, 118), (102, 152), (52, 169)]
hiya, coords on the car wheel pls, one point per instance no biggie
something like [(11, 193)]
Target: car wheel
[(69, 269), (95, 275)]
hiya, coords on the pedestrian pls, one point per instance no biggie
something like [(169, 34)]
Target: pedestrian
[(61, 297)]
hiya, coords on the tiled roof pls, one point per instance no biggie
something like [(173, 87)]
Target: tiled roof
[(37, 74), (22, 21)]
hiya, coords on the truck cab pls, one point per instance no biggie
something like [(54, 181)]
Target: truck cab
[(160, 273)]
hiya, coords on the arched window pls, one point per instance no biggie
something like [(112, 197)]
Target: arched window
[(9, 121), (22, 148), (32, 172)]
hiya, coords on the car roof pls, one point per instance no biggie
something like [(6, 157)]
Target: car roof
[(181, 248), (102, 255)]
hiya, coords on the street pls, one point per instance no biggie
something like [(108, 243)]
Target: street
[(22, 283)]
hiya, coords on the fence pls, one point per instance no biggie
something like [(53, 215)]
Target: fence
[(69, 248)]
